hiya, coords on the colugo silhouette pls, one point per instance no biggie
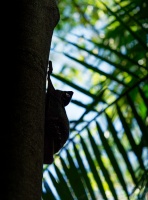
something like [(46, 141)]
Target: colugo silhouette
[(56, 121)]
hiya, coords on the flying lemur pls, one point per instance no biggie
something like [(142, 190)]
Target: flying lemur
[(56, 120)]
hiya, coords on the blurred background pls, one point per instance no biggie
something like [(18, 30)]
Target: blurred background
[(100, 52)]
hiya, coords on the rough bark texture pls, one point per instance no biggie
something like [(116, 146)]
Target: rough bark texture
[(33, 22)]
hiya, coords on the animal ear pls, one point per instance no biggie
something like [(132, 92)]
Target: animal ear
[(50, 68), (67, 95), (50, 88)]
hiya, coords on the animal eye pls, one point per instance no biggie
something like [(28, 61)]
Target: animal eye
[(67, 95)]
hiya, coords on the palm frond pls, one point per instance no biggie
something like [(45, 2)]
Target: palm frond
[(106, 156)]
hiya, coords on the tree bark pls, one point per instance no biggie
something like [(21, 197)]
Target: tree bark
[(33, 22)]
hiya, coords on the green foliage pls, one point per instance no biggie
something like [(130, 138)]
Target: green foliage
[(104, 59)]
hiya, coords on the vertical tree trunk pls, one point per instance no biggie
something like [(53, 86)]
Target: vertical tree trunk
[(31, 25)]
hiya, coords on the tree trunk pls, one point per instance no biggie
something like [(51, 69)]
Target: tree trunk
[(30, 26)]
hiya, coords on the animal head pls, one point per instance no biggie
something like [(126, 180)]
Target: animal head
[(65, 96)]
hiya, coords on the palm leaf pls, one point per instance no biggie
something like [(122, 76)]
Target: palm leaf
[(47, 194), (93, 168), (120, 147), (63, 187), (112, 158), (84, 173), (105, 172)]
